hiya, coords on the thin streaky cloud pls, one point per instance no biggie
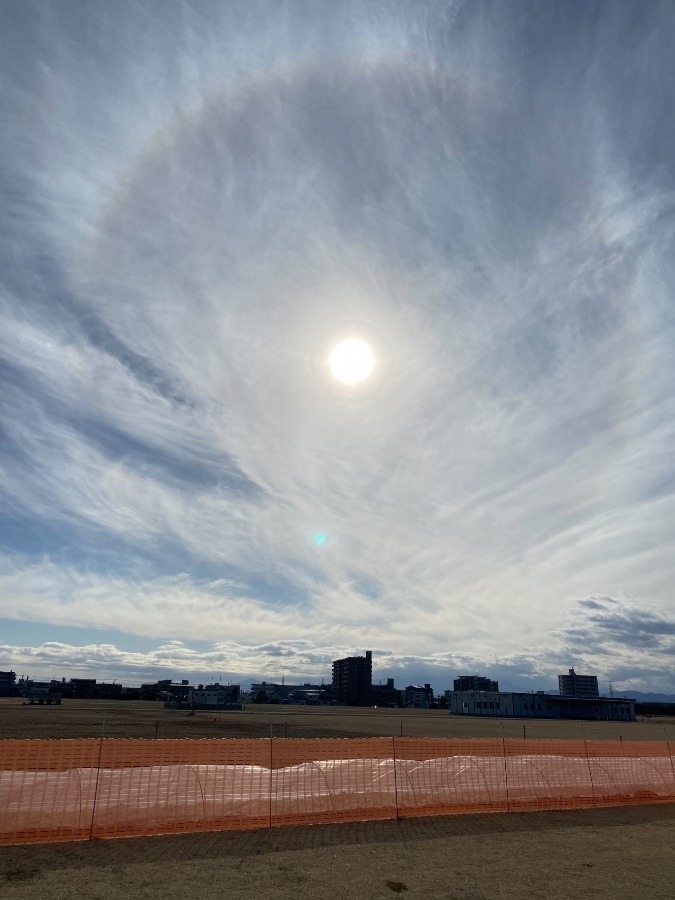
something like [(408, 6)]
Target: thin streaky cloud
[(194, 196)]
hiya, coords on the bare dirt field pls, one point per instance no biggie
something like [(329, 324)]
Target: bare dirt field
[(90, 718), (623, 853), (607, 854)]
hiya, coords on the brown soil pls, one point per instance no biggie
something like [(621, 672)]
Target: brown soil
[(90, 718), (606, 854)]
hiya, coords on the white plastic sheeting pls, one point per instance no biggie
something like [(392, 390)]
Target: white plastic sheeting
[(157, 797)]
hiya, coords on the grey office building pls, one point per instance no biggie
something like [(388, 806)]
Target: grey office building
[(474, 683), (574, 685)]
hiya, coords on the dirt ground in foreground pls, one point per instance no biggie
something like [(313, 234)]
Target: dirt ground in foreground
[(607, 854), (134, 719)]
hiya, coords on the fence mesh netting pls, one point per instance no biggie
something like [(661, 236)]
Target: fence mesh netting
[(80, 789)]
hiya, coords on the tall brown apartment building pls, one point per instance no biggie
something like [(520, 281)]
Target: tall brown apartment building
[(353, 680)]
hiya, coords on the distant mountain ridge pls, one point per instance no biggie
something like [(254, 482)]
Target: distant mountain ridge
[(646, 697)]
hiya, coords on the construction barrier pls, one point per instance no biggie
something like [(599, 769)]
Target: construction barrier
[(65, 790)]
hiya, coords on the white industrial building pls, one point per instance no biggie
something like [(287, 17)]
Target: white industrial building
[(538, 706)]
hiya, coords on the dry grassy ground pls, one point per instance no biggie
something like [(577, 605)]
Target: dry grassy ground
[(87, 718), (608, 854)]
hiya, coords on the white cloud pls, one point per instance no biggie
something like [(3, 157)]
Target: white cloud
[(195, 230), (246, 638)]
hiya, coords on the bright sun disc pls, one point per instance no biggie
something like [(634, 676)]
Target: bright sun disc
[(351, 361)]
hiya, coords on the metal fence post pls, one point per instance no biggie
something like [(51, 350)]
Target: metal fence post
[(393, 751), (271, 770), (98, 772), (590, 773), (506, 775)]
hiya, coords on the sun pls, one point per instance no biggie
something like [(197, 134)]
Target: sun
[(351, 361)]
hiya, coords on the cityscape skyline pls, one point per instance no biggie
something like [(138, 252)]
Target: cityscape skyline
[(336, 325), (460, 682)]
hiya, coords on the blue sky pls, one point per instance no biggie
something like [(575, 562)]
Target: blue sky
[(198, 200)]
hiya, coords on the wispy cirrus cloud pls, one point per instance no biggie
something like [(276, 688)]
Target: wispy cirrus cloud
[(181, 237)]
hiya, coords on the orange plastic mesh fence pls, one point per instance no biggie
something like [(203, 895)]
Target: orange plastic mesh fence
[(437, 777), (155, 787), (80, 789), (46, 789), (332, 780)]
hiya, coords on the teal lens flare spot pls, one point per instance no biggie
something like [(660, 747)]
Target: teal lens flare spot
[(320, 538)]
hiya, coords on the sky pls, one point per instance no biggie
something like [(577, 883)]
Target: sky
[(198, 201)]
